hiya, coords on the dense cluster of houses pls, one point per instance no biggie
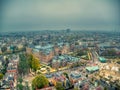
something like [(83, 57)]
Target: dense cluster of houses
[(10, 77), (63, 60), (74, 79)]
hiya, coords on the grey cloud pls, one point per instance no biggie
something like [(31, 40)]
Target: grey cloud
[(57, 14)]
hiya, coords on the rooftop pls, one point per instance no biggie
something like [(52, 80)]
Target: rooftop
[(92, 68), (102, 59), (65, 58)]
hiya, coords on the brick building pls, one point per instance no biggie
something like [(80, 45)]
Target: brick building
[(46, 53)]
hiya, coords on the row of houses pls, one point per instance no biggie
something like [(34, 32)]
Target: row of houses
[(75, 79), (63, 60), (10, 78), (66, 82)]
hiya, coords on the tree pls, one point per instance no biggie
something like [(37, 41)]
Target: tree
[(1, 76), (23, 67), (48, 70), (109, 52), (92, 79), (35, 64), (3, 49), (27, 86), (26, 63), (30, 58), (76, 43), (105, 88), (66, 75), (20, 80), (81, 52), (87, 75), (76, 89), (39, 82), (59, 86), (14, 48), (3, 71), (20, 86)]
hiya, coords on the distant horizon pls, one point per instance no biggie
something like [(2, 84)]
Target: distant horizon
[(60, 30)]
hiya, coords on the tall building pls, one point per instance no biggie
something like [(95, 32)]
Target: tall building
[(68, 30)]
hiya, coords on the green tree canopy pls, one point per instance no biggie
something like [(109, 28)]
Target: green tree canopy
[(39, 82), (3, 49), (76, 89), (81, 52), (30, 58), (20, 80), (20, 87), (1, 76), (35, 64), (59, 86), (26, 62), (23, 67), (66, 75)]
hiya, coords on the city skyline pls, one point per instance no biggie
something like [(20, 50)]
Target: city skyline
[(59, 15)]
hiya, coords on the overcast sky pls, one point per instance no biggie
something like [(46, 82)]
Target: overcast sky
[(17, 15)]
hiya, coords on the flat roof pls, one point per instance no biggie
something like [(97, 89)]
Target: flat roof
[(102, 59), (92, 68)]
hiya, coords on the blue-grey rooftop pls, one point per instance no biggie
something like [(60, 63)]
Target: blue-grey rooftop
[(66, 58), (46, 49)]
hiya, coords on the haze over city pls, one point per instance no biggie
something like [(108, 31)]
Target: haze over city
[(31, 15), (59, 45)]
